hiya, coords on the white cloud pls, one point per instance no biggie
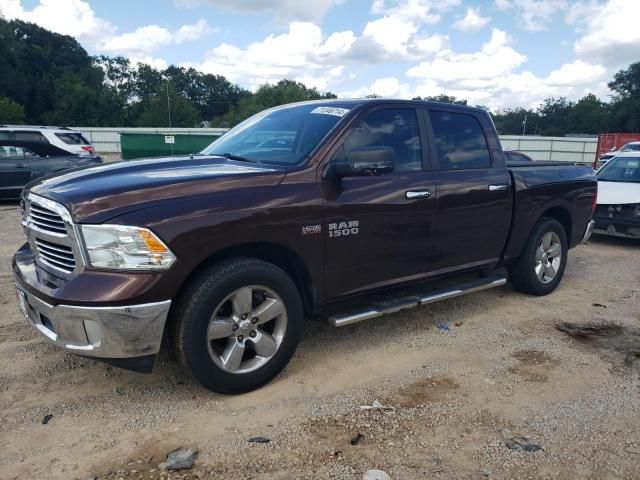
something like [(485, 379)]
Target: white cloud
[(576, 73), (189, 33), (301, 52), (150, 38), (414, 11), (534, 15), (77, 18), (389, 87), (610, 32), (283, 10), (68, 17), (494, 59), (471, 21)]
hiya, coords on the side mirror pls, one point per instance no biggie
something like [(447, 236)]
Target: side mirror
[(365, 161)]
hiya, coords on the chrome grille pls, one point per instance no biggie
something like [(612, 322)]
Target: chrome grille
[(52, 236), (46, 220), (59, 256)]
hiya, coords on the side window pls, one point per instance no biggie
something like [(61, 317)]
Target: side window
[(460, 141), (30, 137), (396, 128), (12, 153)]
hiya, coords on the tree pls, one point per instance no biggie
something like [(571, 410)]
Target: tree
[(11, 112), (156, 112), (267, 96), (554, 116), (625, 108), (32, 60), (442, 98), (212, 95), (588, 115), (511, 121)]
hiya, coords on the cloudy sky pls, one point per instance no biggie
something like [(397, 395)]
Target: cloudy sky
[(500, 53)]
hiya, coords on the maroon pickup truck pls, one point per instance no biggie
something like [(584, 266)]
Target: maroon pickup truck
[(339, 210)]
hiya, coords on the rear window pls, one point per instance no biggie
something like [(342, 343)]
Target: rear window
[(460, 141), (72, 138)]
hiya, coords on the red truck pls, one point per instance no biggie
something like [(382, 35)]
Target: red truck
[(340, 211)]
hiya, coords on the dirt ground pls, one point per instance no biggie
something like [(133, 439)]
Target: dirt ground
[(566, 402)]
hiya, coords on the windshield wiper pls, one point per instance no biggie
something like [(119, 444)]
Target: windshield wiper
[(231, 156)]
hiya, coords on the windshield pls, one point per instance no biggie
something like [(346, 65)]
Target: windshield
[(631, 147), (280, 136), (620, 169)]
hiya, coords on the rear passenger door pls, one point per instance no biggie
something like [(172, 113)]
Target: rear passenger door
[(473, 190)]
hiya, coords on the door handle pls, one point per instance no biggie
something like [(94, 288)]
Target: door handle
[(21, 165), (498, 188), (416, 194)]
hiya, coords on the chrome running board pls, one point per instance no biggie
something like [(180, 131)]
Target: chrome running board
[(384, 308)]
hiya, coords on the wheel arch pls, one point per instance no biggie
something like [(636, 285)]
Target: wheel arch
[(274, 253), (563, 216)]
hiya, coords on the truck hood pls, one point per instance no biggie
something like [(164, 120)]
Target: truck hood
[(618, 193), (96, 194)]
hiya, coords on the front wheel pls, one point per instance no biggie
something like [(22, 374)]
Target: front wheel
[(238, 324), (540, 267)]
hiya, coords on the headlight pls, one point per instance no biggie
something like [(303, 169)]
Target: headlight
[(125, 248)]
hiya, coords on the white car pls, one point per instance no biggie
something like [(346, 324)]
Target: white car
[(62, 137), (627, 147), (618, 205)]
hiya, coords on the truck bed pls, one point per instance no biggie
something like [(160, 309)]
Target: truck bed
[(563, 188)]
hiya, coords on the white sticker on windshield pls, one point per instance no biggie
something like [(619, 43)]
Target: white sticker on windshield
[(338, 112)]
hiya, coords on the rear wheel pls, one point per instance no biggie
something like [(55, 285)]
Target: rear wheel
[(238, 325), (540, 267)]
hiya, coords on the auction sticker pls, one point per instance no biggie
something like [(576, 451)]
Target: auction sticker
[(338, 112)]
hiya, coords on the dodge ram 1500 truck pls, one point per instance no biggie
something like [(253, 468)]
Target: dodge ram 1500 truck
[(338, 210)]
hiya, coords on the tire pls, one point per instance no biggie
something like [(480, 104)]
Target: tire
[(538, 271), (225, 349)]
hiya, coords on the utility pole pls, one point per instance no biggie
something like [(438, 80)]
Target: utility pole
[(168, 104), (169, 113), (524, 125)]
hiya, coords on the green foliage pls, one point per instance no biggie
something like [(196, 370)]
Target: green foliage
[(442, 98), (558, 117), (625, 108), (156, 111), (11, 112), (36, 65), (267, 96), (588, 115)]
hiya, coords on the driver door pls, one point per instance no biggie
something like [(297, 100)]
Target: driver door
[(379, 228)]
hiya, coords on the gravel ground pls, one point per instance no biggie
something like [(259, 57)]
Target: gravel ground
[(502, 373)]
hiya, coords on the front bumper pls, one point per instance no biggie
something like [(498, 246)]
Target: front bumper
[(128, 336), (105, 332)]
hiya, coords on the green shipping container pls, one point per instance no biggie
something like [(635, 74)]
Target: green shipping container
[(141, 145)]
